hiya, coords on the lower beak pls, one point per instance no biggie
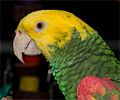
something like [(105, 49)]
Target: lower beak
[(24, 44)]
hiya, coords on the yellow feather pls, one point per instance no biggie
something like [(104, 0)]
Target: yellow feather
[(58, 22)]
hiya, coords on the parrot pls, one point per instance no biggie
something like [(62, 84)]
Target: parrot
[(83, 65)]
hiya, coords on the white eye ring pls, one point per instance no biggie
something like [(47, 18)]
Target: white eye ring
[(39, 26)]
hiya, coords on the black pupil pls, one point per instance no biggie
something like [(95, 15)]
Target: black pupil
[(39, 25)]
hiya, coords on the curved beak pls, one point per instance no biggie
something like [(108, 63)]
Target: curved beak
[(24, 44)]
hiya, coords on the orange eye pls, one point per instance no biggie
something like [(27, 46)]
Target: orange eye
[(40, 26)]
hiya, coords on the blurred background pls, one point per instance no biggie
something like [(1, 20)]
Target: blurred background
[(34, 80)]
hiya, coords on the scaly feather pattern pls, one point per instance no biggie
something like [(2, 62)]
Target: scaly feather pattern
[(80, 58)]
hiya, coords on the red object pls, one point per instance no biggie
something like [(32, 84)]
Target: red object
[(91, 85), (31, 61)]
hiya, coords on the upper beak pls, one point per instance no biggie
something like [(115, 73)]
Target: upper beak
[(24, 44)]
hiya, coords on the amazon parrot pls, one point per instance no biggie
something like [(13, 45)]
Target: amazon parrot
[(81, 62)]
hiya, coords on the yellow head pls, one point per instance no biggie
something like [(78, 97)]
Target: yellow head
[(48, 26)]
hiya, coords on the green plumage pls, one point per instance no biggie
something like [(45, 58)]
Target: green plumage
[(80, 58)]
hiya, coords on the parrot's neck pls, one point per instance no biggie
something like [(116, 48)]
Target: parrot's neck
[(75, 60)]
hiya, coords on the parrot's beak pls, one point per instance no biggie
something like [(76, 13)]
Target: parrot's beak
[(24, 44)]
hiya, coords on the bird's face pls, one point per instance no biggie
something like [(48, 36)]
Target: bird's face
[(40, 29)]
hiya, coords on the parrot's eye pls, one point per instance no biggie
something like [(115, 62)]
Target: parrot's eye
[(39, 26)]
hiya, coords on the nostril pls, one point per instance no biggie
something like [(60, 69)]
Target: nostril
[(19, 32)]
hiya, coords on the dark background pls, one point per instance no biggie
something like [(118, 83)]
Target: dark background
[(103, 16)]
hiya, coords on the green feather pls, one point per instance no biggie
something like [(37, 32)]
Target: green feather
[(80, 58)]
